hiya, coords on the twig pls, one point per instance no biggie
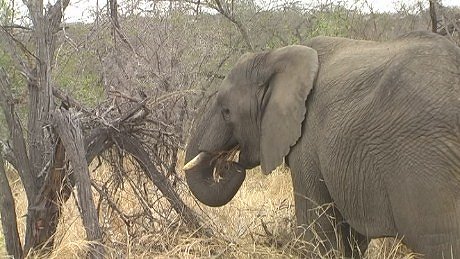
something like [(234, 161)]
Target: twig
[(111, 204), (125, 96), (58, 93)]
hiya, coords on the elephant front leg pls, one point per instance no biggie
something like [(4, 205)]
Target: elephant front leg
[(355, 244), (320, 223), (315, 215)]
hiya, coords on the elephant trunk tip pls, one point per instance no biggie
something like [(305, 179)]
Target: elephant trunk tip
[(213, 181)]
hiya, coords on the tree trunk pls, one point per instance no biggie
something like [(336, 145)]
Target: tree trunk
[(42, 205), (8, 214), (433, 15), (46, 209)]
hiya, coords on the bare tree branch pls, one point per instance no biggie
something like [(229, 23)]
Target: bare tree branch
[(9, 156), (13, 46), (134, 147), (17, 26), (60, 94), (69, 132), (239, 25), (16, 136)]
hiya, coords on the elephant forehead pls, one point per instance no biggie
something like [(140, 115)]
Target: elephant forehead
[(224, 91), (234, 89), (250, 71)]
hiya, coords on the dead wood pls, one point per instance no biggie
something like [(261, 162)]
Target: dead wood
[(46, 209), (69, 131), (134, 147), (8, 215), (16, 136)]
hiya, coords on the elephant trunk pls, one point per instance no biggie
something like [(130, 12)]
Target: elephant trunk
[(213, 181)]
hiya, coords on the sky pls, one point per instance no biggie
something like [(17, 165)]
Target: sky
[(80, 10), (389, 5)]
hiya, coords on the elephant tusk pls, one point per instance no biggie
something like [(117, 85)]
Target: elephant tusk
[(199, 159)]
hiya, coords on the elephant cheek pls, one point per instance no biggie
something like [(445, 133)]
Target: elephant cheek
[(248, 160)]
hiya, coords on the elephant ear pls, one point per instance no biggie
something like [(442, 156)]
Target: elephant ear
[(292, 77)]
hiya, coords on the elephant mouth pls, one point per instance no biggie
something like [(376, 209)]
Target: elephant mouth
[(218, 160)]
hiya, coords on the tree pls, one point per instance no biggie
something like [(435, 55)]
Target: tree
[(51, 154), (31, 151)]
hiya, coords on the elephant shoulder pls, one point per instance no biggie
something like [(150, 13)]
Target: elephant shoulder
[(426, 42), (325, 42), (421, 36), (328, 42), (327, 46)]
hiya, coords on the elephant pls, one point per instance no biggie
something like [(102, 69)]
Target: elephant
[(370, 129)]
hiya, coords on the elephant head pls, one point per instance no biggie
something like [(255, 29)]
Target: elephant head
[(258, 110)]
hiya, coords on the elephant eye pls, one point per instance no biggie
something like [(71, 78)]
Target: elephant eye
[(226, 113)]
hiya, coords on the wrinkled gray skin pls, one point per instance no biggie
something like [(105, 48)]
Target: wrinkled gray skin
[(373, 128)]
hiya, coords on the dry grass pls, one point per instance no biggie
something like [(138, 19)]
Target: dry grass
[(257, 223), (2, 244)]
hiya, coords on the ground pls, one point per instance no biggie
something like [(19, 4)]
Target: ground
[(257, 223)]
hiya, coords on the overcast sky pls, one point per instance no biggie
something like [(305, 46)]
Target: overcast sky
[(79, 9), (389, 5)]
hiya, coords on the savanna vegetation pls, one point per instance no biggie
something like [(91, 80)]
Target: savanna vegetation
[(96, 110)]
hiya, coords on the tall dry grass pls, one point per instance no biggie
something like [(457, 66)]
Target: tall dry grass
[(258, 223)]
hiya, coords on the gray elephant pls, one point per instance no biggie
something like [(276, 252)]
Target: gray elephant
[(371, 128)]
